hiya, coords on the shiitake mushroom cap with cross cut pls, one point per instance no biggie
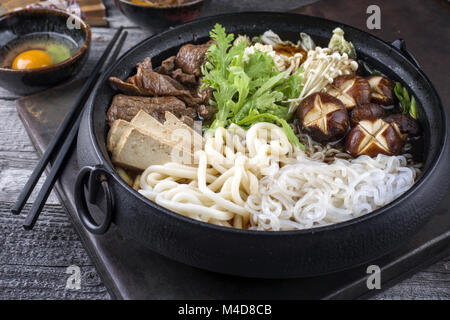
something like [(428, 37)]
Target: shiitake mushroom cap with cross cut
[(381, 90), (351, 90), (405, 123), (372, 137), (369, 111), (323, 117)]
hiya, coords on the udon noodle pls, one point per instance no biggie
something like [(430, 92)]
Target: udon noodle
[(256, 179)]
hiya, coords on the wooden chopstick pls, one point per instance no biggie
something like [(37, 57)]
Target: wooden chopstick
[(60, 160), (63, 128)]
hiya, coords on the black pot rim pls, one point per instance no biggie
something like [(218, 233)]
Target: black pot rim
[(332, 227)]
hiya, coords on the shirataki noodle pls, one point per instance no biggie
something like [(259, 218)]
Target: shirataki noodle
[(312, 193)]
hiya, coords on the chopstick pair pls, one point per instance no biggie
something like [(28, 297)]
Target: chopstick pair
[(63, 140)]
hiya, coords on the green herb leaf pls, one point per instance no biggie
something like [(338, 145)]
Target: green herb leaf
[(413, 109), (407, 103), (250, 91), (369, 70)]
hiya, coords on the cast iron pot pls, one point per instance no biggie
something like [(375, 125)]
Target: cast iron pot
[(256, 253)]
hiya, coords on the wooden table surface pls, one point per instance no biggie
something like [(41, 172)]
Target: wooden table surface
[(33, 264)]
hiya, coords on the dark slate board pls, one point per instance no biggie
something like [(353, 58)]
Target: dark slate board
[(130, 271)]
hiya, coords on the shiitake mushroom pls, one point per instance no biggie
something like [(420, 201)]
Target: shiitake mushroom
[(381, 90), (351, 90), (372, 137), (323, 117), (406, 124), (369, 111)]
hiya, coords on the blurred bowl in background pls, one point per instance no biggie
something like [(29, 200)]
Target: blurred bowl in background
[(157, 18), (29, 24)]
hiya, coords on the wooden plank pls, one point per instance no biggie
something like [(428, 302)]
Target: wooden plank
[(430, 284), (33, 264), (17, 155)]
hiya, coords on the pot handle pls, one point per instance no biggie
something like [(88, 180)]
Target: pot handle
[(95, 177), (400, 45)]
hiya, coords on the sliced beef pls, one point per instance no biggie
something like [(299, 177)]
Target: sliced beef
[(147, 82), (145, 65), (126, 107), (132, 85), (126, 87), (171, 80), (186, 79), (205, 94), (187, 120), (167, 66), (159, 84), (190, 57), (206, 112)]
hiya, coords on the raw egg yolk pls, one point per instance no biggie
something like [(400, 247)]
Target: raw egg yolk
[(32, 59)]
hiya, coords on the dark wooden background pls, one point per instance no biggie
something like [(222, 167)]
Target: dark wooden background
[(33, 264)]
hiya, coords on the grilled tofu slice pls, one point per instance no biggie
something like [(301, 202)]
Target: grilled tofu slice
[(180, 131), (145, 122), (164, 132), (138, 150), (118, 129)]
